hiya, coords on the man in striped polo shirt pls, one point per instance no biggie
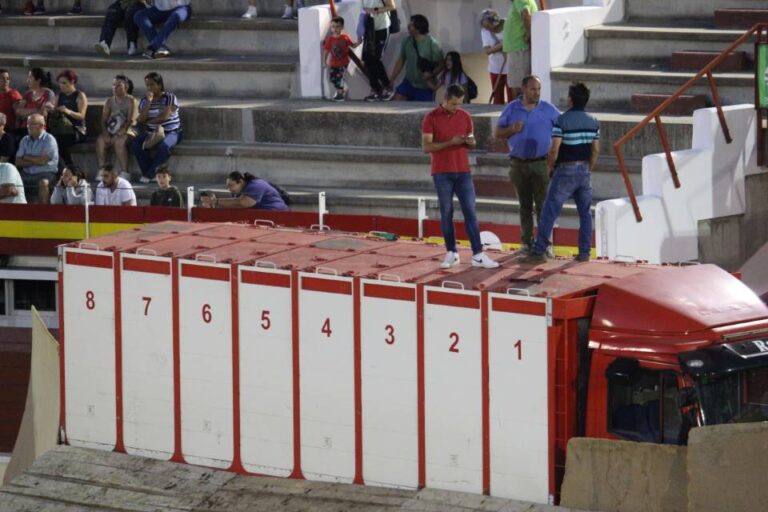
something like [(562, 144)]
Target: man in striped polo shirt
[(571, 158)]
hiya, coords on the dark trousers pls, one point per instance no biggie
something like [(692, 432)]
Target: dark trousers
[(65, 142), (459, 184), (530, 180), (116, 16), (377, 73)]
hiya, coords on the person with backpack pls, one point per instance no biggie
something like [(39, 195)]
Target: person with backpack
[(249, 191), (453, 73)]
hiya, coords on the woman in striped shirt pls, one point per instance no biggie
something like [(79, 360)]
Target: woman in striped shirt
[(160, 127)]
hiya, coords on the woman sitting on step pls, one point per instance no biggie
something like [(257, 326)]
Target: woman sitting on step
[(159, 127), (118, 124), (67, 121), (39, 99)]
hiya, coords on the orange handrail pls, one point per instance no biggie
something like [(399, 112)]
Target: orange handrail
[(656, 116)]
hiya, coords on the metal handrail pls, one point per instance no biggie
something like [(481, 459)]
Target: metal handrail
[(656, 115)]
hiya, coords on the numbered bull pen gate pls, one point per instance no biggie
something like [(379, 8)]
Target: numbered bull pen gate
[(320, 355)]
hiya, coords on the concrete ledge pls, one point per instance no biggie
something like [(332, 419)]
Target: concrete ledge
[(608, 475), (696, 60), (684, 105)]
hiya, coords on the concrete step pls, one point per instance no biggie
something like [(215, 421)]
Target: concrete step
[(214, 36), (267, 8), (684, 105), (200, 75), (696, 60), (654, 42), (685, 10), (613, 86), (740, 18), (348, 167)]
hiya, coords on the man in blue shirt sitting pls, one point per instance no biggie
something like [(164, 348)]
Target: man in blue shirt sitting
[(37, 159), (572, 156), (526, 123)]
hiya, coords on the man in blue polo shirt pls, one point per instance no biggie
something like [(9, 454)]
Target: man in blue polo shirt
[(526, 124), (572, 156)]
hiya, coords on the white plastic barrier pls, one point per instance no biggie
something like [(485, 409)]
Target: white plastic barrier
[(147, 356), (453, 395), (205, 364), (266, 371), (89, 349), (389, 384), (518, 388), (327, 385)]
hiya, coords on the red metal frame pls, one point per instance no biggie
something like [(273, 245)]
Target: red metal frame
[(656, 116)]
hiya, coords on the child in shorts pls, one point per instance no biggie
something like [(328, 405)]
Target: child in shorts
[(336, 55)]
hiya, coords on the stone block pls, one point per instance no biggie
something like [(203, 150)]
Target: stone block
[(727, 467), (697, 59), (623, 476), (685, 105)]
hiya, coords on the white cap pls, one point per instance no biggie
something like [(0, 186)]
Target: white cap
[(490, 240)]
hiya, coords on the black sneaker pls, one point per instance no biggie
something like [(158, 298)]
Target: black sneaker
[(386, 95), (338, 97), (148, 54), (535, 258), (581, 257), (372, 97), (75, 11), (39, 10)]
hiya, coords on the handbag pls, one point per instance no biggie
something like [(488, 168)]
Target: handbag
[(59, 124), (425, 65), (394, 20)]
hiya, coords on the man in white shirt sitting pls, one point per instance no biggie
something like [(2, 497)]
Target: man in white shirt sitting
[(114, 190), (11, 186)]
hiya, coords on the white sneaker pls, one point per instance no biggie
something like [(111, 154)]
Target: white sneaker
[(482, 260), (250, 13), (102, 48), (145, 180), (451, 260), (287, 13), (132, 50)]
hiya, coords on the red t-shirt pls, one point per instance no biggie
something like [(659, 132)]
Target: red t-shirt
[(7, 99), (46, 96), (444, 126), (338, 47)]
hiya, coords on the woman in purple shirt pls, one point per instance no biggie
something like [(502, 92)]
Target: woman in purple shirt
[(248, 191)]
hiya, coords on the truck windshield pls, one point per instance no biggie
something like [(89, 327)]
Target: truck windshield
[(736, 397)]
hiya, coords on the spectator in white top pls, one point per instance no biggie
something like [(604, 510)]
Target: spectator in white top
[(491, 33), (72, 188), (171, 13), (11, 186), (114, 190)]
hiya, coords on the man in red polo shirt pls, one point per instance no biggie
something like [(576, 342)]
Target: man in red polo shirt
[(446, 134)]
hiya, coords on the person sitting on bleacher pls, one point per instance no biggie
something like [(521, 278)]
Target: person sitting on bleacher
[(171, 13), (72, 188), (118, 122), (31, 9), (114, 190), (166, 194), (7, 145), (38, 159), (120, 12), (11, 185), (39, 99), (159, 127), (67, 121), (8, 98), (247, 191)]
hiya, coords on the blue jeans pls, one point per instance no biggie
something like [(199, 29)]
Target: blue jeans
[(569, 180), (147, 163), (146, 19), (459, 183)]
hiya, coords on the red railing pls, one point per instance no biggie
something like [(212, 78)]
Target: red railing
[(656, 115)]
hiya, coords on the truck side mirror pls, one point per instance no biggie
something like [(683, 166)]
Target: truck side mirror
[(622, 369)]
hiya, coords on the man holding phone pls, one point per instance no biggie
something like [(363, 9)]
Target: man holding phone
[(447, 135)]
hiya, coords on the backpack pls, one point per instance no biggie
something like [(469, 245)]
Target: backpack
[(471, 89), (394, 21), (283, 194)]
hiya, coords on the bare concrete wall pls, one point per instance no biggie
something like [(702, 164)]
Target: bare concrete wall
[(623, 476)]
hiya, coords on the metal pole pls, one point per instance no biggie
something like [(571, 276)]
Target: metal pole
[(321, 211), (422, 215), (87, 211), (190, 202)]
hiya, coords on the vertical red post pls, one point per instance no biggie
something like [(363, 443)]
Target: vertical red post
[(486, 394), (358, 382), (420, 396), (116, 265), (297, 473), (234, 279), (667, 150), (177, 455)]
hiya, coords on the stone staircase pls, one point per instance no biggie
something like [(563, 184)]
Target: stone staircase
[(659, 47), (238, 84)]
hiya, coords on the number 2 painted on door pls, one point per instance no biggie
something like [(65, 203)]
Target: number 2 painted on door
[(455, 344)]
